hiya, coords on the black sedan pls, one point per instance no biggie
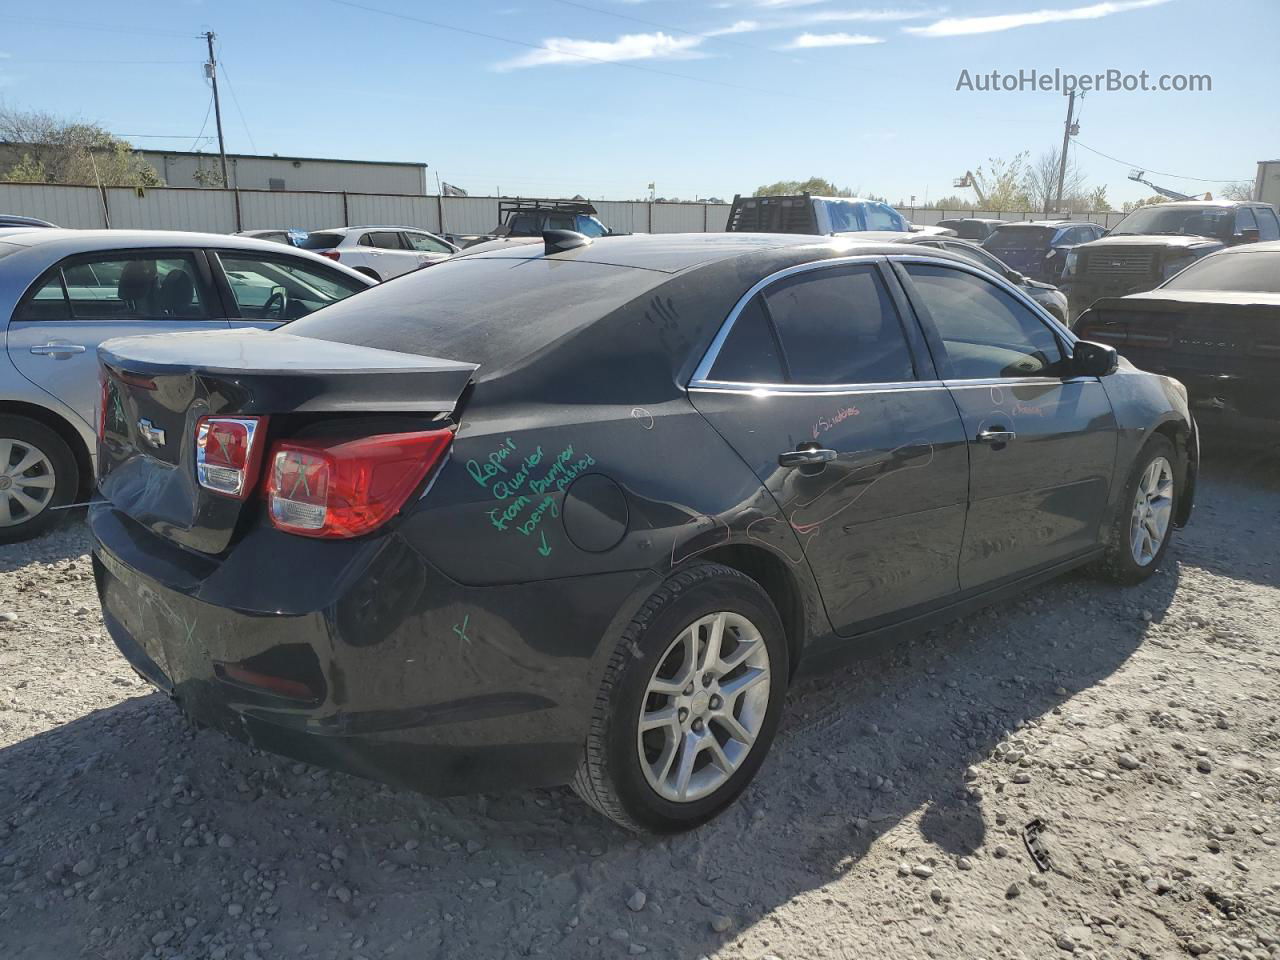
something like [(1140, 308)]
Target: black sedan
[(576, 512)]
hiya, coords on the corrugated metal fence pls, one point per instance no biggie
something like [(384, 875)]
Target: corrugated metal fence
[(227, 211)]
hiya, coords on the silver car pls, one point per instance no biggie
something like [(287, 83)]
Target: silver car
[(62, 292)]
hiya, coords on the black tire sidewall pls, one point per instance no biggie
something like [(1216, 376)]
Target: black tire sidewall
[(1127, 569), (727, 592), (66, 473)]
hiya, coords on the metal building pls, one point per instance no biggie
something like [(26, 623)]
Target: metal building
[(253, 172)]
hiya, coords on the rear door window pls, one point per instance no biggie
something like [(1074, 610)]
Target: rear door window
[(1245, 220), (48, 301), (750, 353), (838, 325), (382, 239), (168, 287)]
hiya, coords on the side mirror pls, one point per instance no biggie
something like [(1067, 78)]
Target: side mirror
[(1248, 235), (1091, 359)]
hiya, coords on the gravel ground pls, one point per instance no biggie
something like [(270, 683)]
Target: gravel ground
[(1139, 726)]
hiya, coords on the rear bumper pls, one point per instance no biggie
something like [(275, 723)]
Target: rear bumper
[(401, 675)]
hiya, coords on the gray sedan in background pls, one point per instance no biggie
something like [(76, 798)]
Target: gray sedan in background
[(63, 292)]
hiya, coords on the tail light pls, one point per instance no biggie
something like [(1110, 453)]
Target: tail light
[(330, 254), (228, 453), (339, 490)]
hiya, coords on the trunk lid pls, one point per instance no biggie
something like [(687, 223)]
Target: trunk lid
[(156, 389)]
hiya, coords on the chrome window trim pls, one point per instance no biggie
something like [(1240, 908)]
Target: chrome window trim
[(812, 389), (701, 378), (702, 374)]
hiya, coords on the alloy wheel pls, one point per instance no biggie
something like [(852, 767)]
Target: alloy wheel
[(704, 707), (1152, 511), (27, 481)]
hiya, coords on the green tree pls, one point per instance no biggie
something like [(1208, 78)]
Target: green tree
[(50, 149), (1003, 183), (1130, 205), (815, 185)]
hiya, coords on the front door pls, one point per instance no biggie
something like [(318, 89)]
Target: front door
[(56, 328), (832, 401), (1042, 444)]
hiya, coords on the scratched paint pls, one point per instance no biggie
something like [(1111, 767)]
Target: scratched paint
[(643, 417), (840, 416)]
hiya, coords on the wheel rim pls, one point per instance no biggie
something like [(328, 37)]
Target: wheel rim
[(704, 707), (1152, 511), (27, 482)]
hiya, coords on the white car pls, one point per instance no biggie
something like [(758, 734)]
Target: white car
[(379, 252)]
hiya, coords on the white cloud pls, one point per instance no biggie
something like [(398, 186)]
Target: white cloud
[(967, 26), (866, 16), (739, 26), (810, 41), (631, 46)]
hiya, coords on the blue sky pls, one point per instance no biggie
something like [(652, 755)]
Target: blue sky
[(703, 97)]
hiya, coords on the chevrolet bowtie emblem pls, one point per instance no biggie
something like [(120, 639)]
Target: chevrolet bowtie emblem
[(151, 433)]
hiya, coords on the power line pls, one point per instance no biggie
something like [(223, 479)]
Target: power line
[(567, 53), (79, 25), (236, 100), (114, 62), (200, 135), (1158, 173)]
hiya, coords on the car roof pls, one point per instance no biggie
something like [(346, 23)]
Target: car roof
[(1050, 223), (1204, 203), (91, 240), (1266, 246), (370, 226), (676, 252)]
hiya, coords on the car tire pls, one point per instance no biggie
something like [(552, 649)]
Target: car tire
[(51, 477), (1150, 491), (626, 773), (371, 274)]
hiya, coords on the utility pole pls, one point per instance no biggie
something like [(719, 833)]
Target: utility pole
[(211, 71), (1067, 130)]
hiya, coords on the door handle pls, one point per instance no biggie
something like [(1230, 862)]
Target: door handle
[(805, 458), (996, 436), (59, 351)]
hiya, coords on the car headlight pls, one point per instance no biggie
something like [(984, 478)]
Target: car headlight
[(1177, 265), (1070, 267)]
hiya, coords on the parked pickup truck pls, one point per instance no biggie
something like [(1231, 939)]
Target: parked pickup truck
[(1215, 327), (530, 217), (1154, 242), (815, 215)]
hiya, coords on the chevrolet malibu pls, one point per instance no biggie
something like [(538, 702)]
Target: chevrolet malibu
[(576, 512)]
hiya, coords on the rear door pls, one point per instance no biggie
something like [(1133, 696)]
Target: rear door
[(1041, 444), (826, 390), (386, 253), (84, 300)]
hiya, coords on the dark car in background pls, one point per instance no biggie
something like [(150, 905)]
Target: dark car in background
[(577, 515), (970, 228), (530, 217), (1039, 248), (1155, 242), (1045, 294), (1215, 326)]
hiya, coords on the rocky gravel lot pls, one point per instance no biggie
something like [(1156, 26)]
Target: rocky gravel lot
[(1140, 726)]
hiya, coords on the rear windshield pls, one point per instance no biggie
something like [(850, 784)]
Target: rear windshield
[(966, 229), (319, 241), (494, 311), (1252, 272), (1019, 237)]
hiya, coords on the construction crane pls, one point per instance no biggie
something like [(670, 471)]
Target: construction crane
[(969, 180), (1137, 175)]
